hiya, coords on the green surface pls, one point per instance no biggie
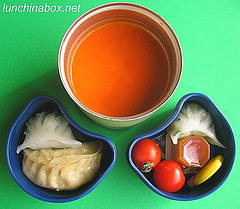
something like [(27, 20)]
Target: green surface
[(209, 33)]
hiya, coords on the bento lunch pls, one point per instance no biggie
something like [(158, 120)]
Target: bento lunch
[(188, 144), (53, 158), (189, 155)]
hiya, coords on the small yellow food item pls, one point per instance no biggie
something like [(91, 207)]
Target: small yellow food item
[(207, 171)]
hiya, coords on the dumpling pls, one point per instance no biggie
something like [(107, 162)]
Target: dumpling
[(48, 130), (193, 120), (63, 169)]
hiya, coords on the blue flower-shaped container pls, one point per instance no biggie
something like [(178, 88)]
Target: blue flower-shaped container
[(14, 160), (224, 134)]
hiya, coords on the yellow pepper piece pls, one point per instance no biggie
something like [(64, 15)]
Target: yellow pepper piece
[(207, 171)]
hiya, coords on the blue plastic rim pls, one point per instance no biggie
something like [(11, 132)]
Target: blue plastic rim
[(16, 137), (224, 134)]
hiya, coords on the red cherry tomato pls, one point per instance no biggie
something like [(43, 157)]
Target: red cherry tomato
[(146, 154), (168, 176)]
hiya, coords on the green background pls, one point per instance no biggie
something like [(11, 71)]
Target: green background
[(209, 33)]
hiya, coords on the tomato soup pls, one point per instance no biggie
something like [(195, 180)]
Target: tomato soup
[(118, 69)]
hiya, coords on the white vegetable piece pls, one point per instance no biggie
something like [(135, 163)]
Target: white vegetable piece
[(193, 120), (48, 130)]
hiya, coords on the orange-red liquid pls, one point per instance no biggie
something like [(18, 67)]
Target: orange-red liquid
[(118, 69)]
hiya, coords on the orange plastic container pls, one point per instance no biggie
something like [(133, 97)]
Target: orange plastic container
[(192, 151)]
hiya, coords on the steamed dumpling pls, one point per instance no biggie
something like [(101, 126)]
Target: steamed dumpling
[(63, 169), (193, 120), (48, 130)]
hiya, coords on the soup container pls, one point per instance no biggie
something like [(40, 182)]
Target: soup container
[(14, 160), (224, 134), (129, 13)]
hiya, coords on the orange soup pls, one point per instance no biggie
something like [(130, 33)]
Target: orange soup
[(118, 69)]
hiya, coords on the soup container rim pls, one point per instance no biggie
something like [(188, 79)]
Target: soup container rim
[(163, 127), (109, 7)]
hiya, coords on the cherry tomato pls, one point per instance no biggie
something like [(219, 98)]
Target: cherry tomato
[(146, 154), (168, 176)]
